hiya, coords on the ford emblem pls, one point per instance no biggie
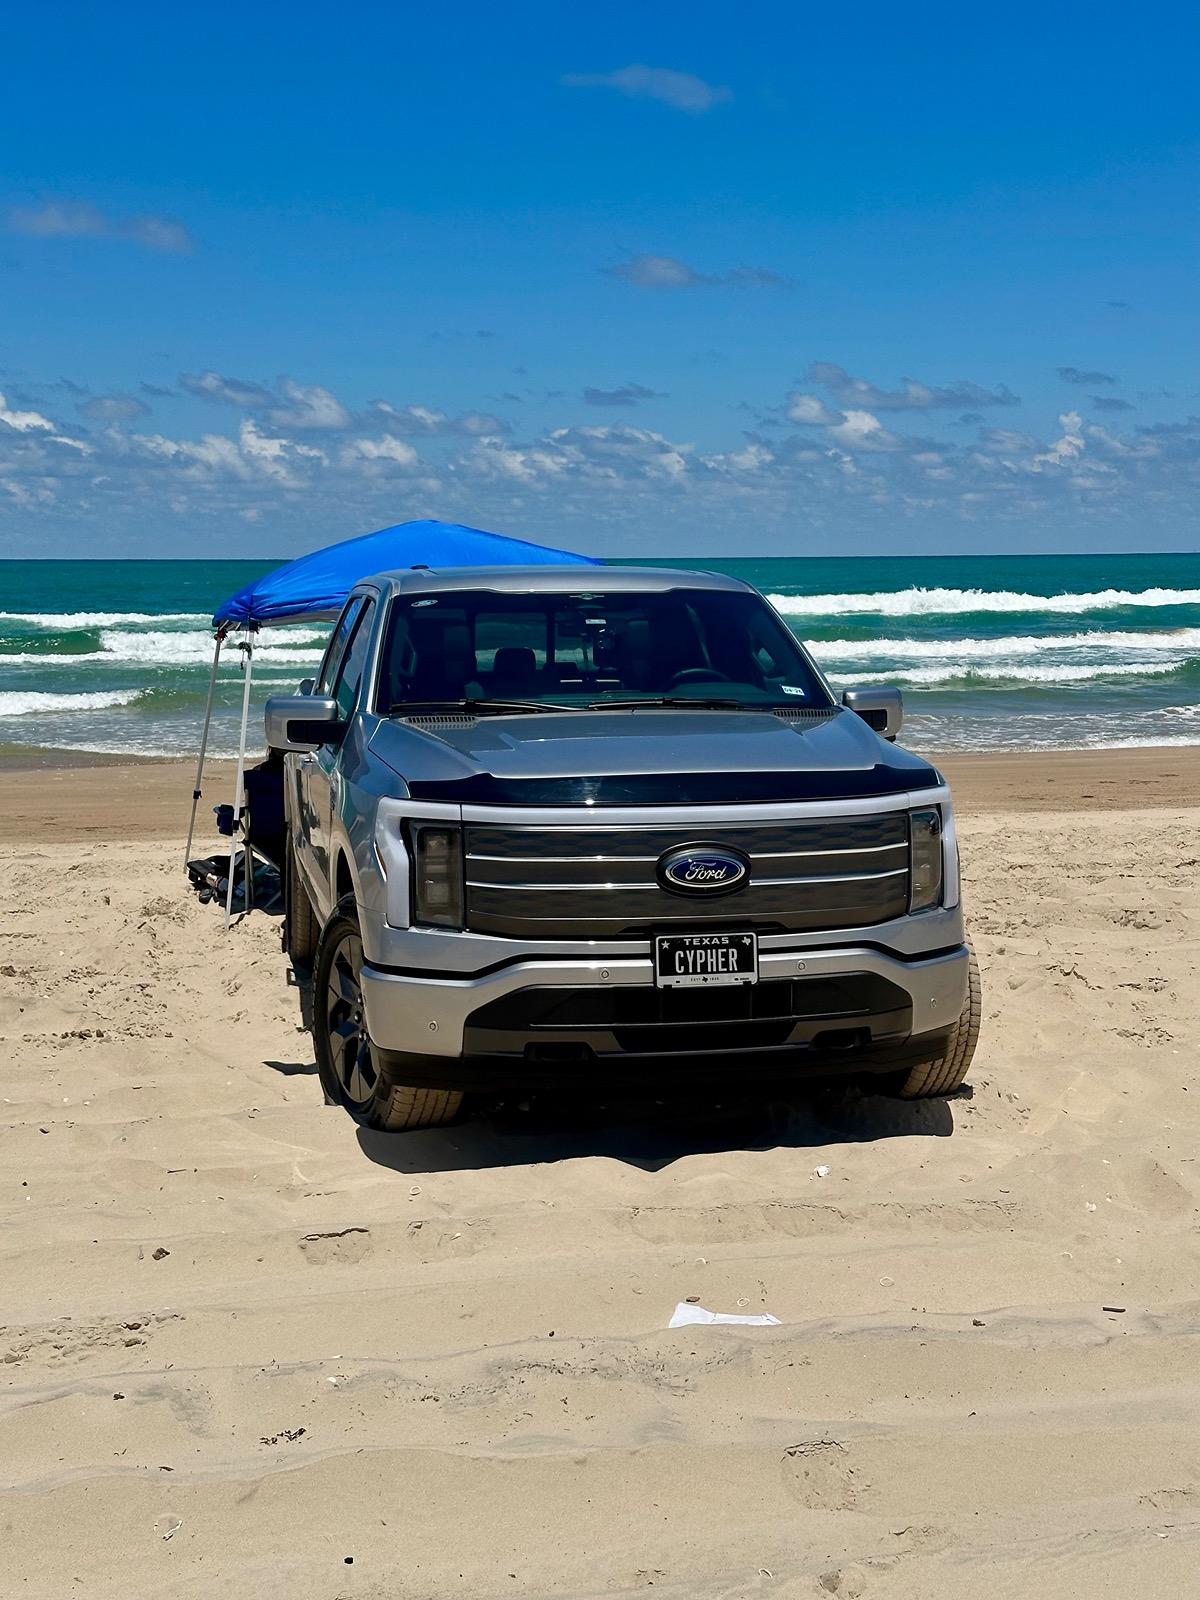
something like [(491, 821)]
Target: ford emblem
[(703, 869)]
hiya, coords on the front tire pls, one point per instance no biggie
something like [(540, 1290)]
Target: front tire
[(944, 1073), (353, 1070)]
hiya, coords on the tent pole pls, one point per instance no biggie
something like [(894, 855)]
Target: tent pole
[(239, 791), (208, 709)]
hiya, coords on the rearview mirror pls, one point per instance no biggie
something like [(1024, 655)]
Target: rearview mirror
[(302, 721), (881, 709)]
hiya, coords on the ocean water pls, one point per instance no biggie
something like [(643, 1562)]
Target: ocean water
[(992, 652)]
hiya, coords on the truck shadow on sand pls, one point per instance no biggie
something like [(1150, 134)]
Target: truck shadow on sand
[(652, 1135)]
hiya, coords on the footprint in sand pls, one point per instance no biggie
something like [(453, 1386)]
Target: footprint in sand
[(818, 1475), (345, 1247)]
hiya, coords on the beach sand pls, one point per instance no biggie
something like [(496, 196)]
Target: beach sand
[(248, 1350)]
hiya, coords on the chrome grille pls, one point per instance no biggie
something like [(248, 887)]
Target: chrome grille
[(583, 882)]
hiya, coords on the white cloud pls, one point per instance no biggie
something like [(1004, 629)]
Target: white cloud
[(377, 456), (428, 419), (751, 458), (597, 454), (270, 455), (615, 451), (810, 412), (657, 272), (836, 468), (911, 396), (668, 272), (1067, 449), (252, 455), (249, 396), (113, 408), (683, 91), (23, 421), (492, 459), (1138, 447), (80, 219), (302, 406), (860, 428), (27, 495), (308, 405), (1006, 441)]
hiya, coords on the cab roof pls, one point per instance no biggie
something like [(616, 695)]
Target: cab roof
[(549, 580)]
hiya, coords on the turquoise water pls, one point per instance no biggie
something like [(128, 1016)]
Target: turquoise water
[(992, 652)]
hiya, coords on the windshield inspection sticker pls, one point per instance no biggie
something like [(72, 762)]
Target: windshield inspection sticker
[(788, 689)]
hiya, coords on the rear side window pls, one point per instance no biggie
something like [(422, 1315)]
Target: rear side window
[(349, 679)]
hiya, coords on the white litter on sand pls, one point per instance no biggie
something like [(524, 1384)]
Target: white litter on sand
[(685, 1316)]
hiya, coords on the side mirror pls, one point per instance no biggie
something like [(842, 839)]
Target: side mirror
[(881, 709), (307, 685), (302, 722)]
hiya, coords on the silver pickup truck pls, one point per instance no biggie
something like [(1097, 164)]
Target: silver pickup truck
[(548, 825)]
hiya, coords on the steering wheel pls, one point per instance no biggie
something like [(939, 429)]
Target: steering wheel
[(699, 675)]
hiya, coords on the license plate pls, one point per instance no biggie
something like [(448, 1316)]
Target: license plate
[(695, 960)]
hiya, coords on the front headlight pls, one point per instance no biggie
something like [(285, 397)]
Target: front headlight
[(925, 859), (437, 890)]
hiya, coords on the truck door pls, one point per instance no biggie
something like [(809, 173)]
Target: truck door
[(309, 847), (325, 773)]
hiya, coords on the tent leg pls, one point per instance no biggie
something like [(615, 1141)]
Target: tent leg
[(208, 709), (239, 791)]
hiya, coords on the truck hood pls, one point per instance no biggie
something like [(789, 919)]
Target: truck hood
[(645, 757)]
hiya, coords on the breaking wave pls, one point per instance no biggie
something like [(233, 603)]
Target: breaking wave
[(169, 649), (19, 703), (191, 649), (942, 602), (1014, 645), (98, 619), (1066, 673)]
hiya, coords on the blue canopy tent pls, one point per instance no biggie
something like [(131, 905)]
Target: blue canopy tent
[(314, 588)]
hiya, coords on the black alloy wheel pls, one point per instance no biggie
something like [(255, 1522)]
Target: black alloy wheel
[(351, 1053), (354, 1072)]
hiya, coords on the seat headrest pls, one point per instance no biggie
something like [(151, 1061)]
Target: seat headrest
[(515, 663)]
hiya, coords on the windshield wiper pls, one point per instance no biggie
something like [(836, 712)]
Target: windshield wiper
[(686, 702), (482, 706)]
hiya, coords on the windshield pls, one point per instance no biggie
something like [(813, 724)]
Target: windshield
[(573, 650)]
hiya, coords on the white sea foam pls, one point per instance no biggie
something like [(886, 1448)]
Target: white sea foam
[(59, 621), (168, 650), (1183, 639), (190, 649), (273, 661), (20, 703), (1065, 673), (938, 602), (1174, 739)]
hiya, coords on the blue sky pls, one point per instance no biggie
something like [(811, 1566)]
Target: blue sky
[(680, 279)]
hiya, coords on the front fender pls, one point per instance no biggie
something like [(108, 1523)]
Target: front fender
[(364, 782)]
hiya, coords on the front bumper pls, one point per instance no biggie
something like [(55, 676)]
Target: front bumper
[(442, 1019)]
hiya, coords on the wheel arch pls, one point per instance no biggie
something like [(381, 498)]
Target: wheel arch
[(342, 877)]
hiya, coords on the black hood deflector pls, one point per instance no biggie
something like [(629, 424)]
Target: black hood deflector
[(652, 758), (676, 788)]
